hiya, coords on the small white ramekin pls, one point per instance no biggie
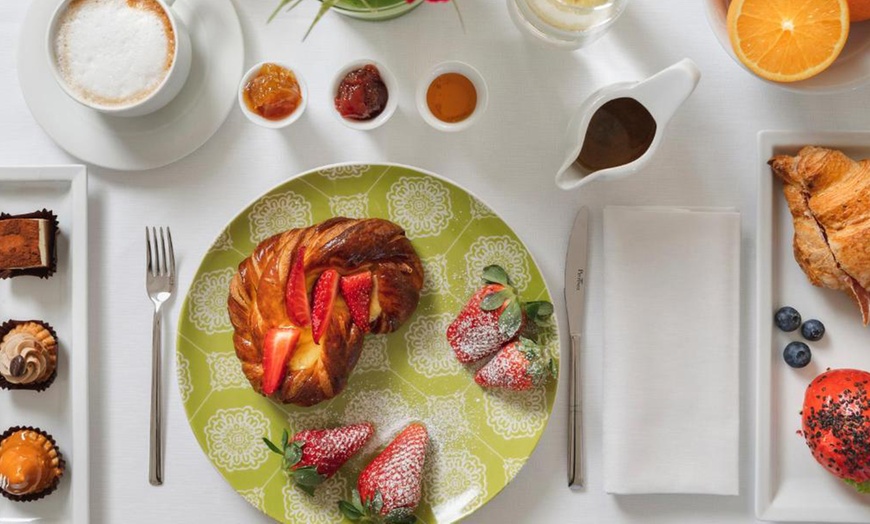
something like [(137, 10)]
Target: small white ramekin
[(265, 122), (465, 70), (392, 95)]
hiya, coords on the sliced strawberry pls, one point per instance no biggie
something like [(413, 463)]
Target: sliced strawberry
[(325, 291), (519, 366), (313, 456), (357, 293), (296, 292), (278, 346), (389, 487)]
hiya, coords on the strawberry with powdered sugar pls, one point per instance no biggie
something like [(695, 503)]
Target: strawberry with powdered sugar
[(389, 488), (493, 316), (313, 456)]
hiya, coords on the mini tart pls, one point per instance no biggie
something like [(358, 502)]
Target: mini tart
[(16, 241), (46, 336), (25, 453)]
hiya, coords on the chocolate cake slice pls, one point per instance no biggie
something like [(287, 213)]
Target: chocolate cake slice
[(28, 244)]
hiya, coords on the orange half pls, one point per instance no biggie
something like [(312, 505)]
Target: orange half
[(788, 40)]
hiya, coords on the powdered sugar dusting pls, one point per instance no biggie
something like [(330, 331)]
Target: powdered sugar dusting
[(329, 449), (505, 370), (398, 471), (475, 333)]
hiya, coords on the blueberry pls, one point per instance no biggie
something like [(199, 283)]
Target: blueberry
[(797, 355), (813, 330), (787, 319)]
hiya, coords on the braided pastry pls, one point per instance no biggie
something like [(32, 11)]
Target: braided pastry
[(303, 301)]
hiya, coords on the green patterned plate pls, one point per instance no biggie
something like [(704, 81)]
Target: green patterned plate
[(480, 439)]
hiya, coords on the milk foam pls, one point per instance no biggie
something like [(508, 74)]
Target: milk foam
[(114, 52)]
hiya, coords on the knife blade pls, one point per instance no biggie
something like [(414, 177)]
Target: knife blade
[(575, 302)]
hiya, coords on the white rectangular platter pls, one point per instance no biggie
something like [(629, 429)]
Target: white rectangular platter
[(790, 485), (62, 301)]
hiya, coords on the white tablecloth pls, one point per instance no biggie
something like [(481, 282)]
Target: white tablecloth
[(709, 158)]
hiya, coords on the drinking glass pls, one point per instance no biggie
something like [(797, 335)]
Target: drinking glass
[(566, 24)]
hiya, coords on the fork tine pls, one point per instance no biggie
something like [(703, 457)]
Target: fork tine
[(148, 246), (163, 269), (171, 253), (155, 249)]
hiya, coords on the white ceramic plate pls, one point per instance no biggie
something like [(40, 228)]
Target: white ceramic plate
[(151, 141), (850, 71), (62, 301), (790, 485)]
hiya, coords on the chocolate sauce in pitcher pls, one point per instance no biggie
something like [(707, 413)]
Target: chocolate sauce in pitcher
[(619, 132)]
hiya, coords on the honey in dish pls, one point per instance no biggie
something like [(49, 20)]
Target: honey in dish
[(451, 97), (273, 93), (619, 132)]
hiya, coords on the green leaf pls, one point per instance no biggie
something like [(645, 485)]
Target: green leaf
[(377, 503), (496, 275), (285, 438), (325, 6), (308, 490), (400, 516), (528, 348), (349, 511), (281, 6), (273, 447), (511, 319), (861, 487), (538, 311), (292, 454), (307, 476), (494, 301), (459, 14)]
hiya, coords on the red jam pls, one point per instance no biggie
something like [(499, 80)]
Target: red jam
[(362, 94)]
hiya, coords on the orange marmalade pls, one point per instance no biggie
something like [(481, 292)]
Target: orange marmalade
[(273, 93)]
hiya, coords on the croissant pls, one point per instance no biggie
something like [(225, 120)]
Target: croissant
[(267, 316), (828, 194)]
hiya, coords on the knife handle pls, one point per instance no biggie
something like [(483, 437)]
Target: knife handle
[(575, 418)]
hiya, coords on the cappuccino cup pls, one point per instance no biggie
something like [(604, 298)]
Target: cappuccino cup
[(119, 57)]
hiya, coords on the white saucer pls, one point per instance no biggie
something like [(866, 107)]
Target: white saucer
[(151, 141)]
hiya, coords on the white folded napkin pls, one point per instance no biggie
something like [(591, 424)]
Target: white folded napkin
[(671, 342)]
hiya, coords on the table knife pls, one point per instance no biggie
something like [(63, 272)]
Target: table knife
[(575, 296)]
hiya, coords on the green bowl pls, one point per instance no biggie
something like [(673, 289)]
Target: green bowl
[(375, 10)]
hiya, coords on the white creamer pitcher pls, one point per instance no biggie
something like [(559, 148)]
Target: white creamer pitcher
[(661, 94)]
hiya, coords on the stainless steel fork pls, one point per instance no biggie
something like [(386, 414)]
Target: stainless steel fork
[(160, 283)]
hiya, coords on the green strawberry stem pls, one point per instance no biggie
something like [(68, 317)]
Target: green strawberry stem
[(511, 318), (306, 477), (496, 275), (861, 487), (369, 512)]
